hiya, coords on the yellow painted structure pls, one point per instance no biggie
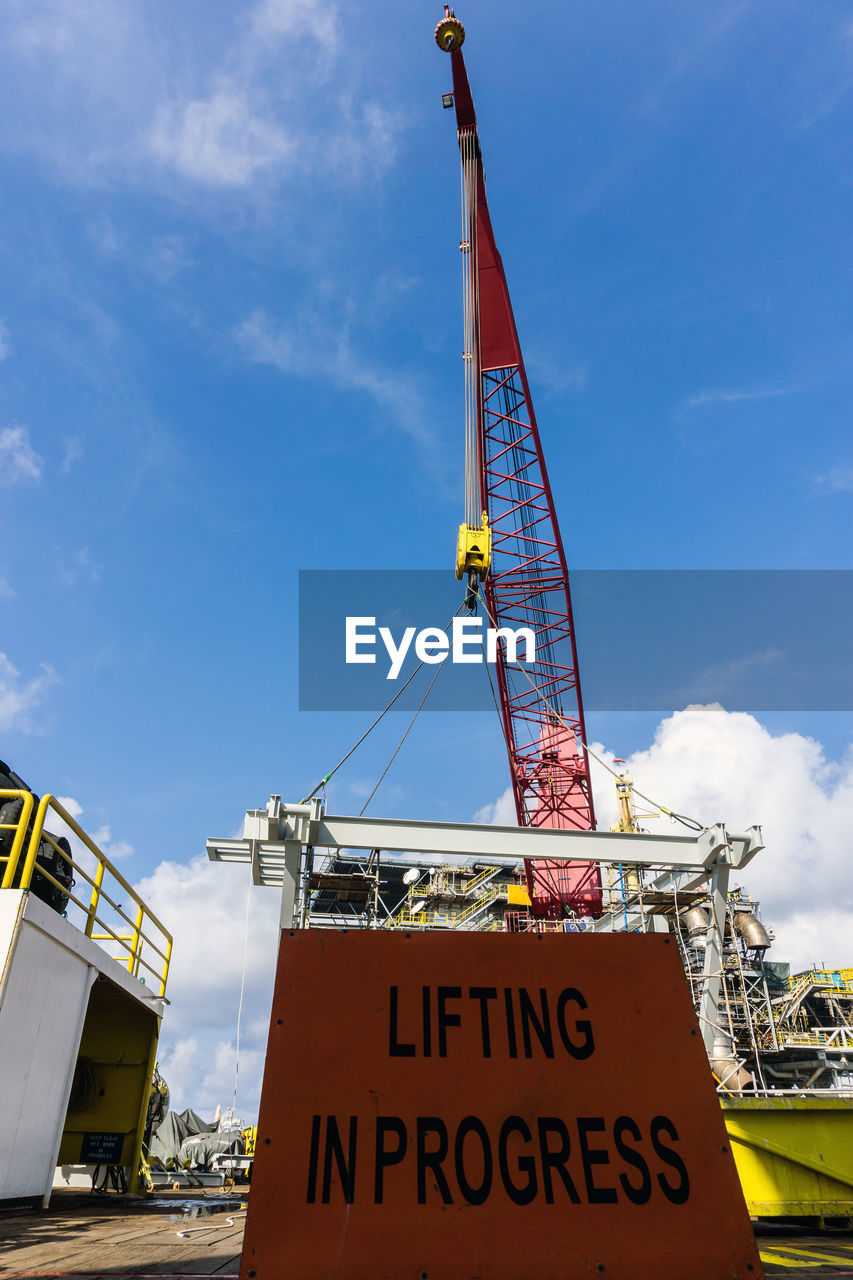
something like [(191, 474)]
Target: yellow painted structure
[(474, 549), (794, 1155), (112, 1083)]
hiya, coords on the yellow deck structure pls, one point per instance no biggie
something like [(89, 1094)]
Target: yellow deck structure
[(794, 1155)]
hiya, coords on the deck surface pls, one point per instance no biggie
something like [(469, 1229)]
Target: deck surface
[(84, 1236), (791, 1251)]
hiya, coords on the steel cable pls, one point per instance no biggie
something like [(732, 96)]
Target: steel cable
[(321, 784)]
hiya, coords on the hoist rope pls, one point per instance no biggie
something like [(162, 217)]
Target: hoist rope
[(240, 1003), (670, 813), (396, 752), (470, 322), (369, 730)]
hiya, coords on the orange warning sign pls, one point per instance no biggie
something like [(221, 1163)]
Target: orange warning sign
[(508, 1106)]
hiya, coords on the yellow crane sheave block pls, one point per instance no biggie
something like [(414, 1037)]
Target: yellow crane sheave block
[(474, 549)]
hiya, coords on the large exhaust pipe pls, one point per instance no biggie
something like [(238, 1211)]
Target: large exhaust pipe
[(752, 930)]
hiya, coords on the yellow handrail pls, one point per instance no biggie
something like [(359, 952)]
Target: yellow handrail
[(17, 843), (480, 878), (492, 892), (840, 979), (139, 941)]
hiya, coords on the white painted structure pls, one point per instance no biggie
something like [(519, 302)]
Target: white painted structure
[(48, 970)]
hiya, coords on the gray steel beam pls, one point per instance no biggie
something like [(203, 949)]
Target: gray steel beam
[(309, 824), (269, 831), (485, 840)]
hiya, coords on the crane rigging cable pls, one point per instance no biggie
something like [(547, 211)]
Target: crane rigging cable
[(321, 784), (399, 745)]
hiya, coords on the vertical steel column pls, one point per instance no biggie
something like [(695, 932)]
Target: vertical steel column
[(136, 1156), (289, 882), (712, 971)]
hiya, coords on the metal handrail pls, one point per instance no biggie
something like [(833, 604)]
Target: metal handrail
[(821, 1036), (479, 879), (418, 919), (139, 942), (838, 979), (494, 891)]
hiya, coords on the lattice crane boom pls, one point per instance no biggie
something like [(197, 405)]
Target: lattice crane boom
[(526, 581)]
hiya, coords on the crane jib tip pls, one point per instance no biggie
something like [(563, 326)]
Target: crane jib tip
[(450, 33)]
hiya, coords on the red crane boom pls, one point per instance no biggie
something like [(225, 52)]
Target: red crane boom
[(527, 584)]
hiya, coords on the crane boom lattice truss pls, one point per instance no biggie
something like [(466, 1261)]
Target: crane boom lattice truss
[(528, 583)]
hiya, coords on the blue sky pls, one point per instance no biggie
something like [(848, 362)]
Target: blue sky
[(231, 325)]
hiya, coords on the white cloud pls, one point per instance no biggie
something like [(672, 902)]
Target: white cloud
[(5, 345), (835, 480), (499, 814), (105, 93), (720, 766), (19, 698), (219, 140), (179, 1062), (114, 850), (233, 136), (828, 78), (50, 25), (168, 256), (77, 83), (74, 567), (311, 348), (104, 236), (204, 905), (553, 370), (71, 805), (74, 450), (731, 395), (296, 18), (6, 589), (201, 1076), (18, 459)]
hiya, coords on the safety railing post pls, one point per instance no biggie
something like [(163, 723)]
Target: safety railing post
[(133, 958), (35, 841), (166, 962), (96, 894)]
